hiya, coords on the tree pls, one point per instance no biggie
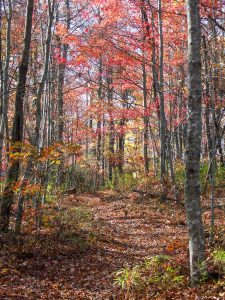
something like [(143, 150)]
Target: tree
[(5, 82), (193, 150), (17, 130), (163, 124)]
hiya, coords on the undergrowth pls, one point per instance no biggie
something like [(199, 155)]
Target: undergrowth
[(204, 168), (158, 273)]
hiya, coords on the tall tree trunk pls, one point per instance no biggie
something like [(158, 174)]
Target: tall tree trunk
[(121, 142), (62, 68), (163, 125), (207, 94), (1, 64), (111, 124), (146, 119), (193, 150), (146, 31), (5, 82), (17, 131), (211, 138), (39, 117), (61, 81), (99, 118)]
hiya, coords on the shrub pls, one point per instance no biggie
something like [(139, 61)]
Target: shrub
[(155, 273), (122, 182), (75, 226), (218, 257), (219, 174)]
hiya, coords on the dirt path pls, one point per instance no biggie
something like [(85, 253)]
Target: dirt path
[(129, 229)]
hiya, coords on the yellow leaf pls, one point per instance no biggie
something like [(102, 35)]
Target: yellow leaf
[(5, 271)]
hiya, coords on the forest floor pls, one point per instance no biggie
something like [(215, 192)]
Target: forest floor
[(55, 263)]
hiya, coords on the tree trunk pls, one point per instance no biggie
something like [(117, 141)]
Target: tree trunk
[(5, 81), (161, 99), (39, 117), (99, 121), (19, 213), (146, 31), (111, 124), (17, 131), (62, 69), (193, 150), (121, 141)]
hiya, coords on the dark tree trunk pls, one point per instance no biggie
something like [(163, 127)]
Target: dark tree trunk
[(163, 124), (146, 32), (17, 131), (121, 142), (62, 69)]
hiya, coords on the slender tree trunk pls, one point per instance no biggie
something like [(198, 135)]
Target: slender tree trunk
[(163, 125), (39, 117), (61, 81), (99, 120), (1, 63), (212, 176), (17, 131), (5, 81), (193, 150), (19, 213), (121, 142), (146, 31), (41, 110), (62, 69), (111, 125), (146, 119), (207, 94), (211, 138), (103, 160)]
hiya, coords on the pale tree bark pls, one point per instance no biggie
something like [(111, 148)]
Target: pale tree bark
[(61, 83), (17, 131), (211, 137), (111, 124), (39, 116), (41, 106), (193, 148), (5, 82), (146, 119), (99, 118), (62, 69)]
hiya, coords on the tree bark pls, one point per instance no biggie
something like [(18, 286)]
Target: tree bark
[(5, 82), (193, 150), (39, 117), (62, 69), (163, 125), (121, 141), (17, 131), (99, 119), (146, 31), (111, 124)]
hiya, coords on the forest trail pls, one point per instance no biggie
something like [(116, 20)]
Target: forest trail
[(129, 229)]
